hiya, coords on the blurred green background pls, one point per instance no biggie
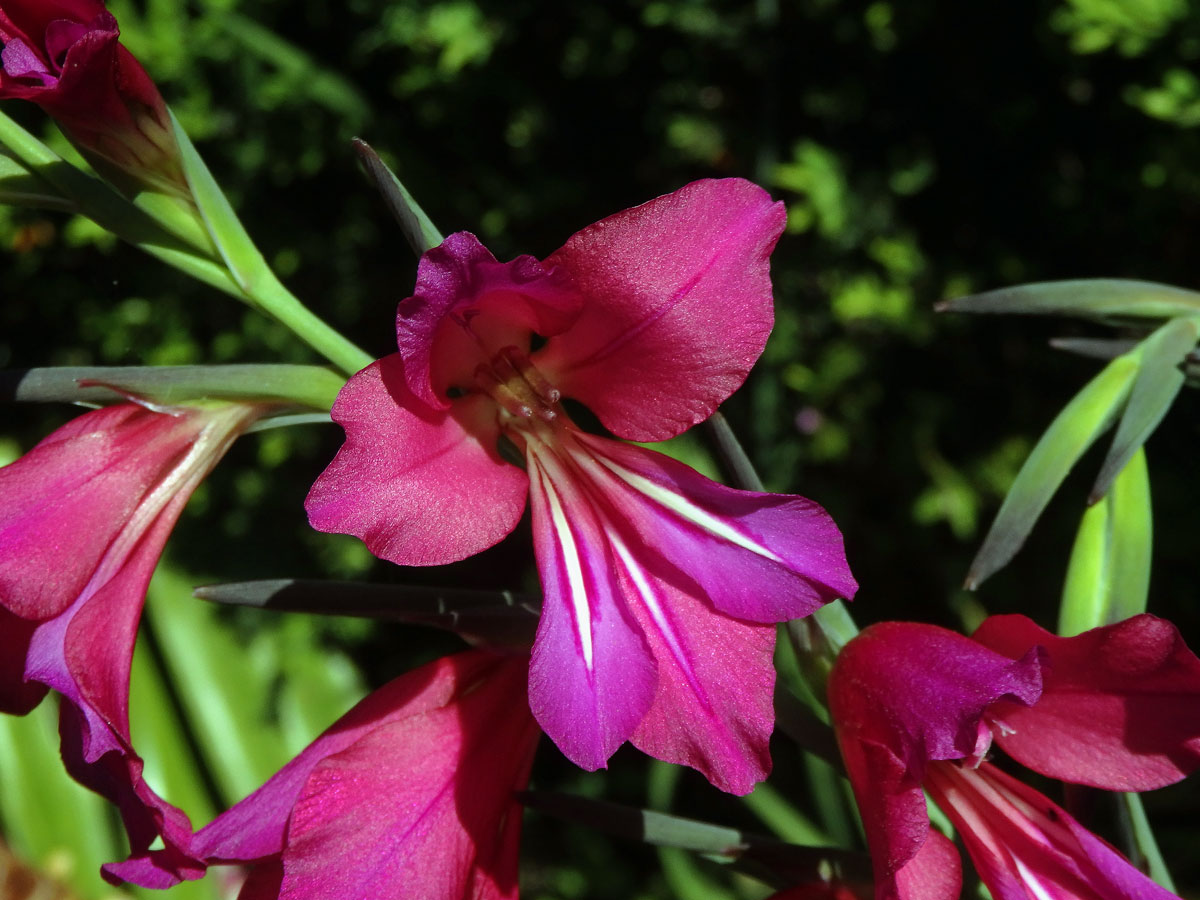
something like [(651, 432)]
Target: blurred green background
[(924, 149)]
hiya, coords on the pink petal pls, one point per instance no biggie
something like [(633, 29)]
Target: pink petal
[(466, 306), (614, 602), (419, 487), (713, 706), (935, 873), (102, 495), (410, 794), (903, 695), (1028, 848), (761, 557), (591, 678), (1120, 707), (892, 806), (677, 306), (68, 497), (85, 654), (922, 691)]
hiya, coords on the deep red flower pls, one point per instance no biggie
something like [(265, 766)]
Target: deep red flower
[(917, 707), (65, 56)]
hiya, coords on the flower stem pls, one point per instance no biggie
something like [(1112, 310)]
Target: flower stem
[(834, 618)]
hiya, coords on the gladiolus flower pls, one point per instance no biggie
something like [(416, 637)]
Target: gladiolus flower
[(65, 56), (916, 706), (660, 586), (84, 516), (410, 794)]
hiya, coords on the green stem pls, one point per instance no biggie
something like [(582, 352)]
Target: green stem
[(834, 618), (1143, 837), (206, 241), (281, 304)]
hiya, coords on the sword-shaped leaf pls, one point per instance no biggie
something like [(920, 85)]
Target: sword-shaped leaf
[(1104, 299), (1108, 577), (1090, 412), (418, 228), (1159, 379), (495, 619), (1106, 348), (792, 863)]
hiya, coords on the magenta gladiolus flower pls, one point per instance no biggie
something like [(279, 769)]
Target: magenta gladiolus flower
[(84, 516), (65, 56), (660, 585), (916, 706), (410, 794)]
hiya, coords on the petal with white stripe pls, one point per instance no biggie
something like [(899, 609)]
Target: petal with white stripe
[(759, 557), (591, 679)]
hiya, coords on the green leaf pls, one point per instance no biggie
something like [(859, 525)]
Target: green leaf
[(418, 228), (496, 619), (177, 235), (1158, 380), (49, 820), (254, 278), (1090, 413), (229, 236), (1090, 298), (1108, 577), (223, 689), (20, 187), (310, 386)]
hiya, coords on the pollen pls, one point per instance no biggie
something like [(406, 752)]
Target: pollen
[(512, 380)]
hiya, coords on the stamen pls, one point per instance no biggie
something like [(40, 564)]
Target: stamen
[(501, 392), (535, 379), (516, 384)]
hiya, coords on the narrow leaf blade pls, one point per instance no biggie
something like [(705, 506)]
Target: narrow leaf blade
[(418, 228), (1090, 298), (1108, 578), (1158, 381), (1090, 413), (229, 237)]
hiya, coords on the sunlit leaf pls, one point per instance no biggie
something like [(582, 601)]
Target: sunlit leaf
[(1108, 577), (1158, 380), (1090, 412)]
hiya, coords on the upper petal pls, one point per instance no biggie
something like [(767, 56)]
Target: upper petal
[(420, 486), (466, 306), (677, 307), (922, 691), (1120, 706)]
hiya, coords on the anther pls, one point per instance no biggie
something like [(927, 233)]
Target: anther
[(487, 378), (528, 371)]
